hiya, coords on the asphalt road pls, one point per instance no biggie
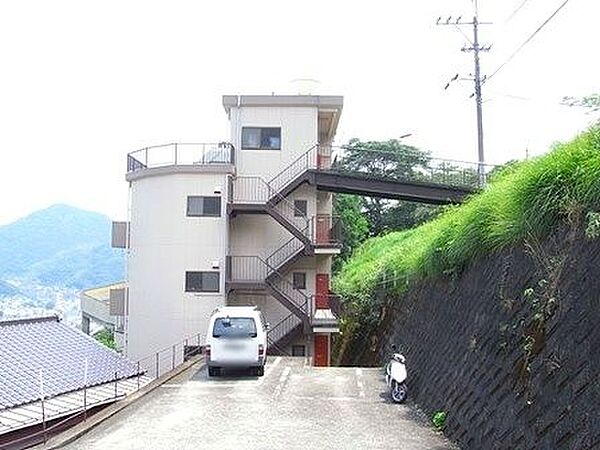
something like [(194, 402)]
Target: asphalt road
[(294, 406)]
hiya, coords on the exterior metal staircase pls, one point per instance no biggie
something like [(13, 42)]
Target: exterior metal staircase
[(280, 335), (253, 195)]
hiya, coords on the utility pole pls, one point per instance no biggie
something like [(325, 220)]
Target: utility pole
[(476, 48)]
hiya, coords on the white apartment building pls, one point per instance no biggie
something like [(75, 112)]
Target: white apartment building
[(234, 223)]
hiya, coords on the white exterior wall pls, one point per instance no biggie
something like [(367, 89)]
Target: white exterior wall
[(256, 235), (324, 203), (272, 310), (299, 132), (165, 243)]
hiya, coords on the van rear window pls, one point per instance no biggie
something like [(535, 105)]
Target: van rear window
[(234, 327)]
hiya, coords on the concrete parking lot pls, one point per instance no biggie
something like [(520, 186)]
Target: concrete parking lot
[(294, 406)]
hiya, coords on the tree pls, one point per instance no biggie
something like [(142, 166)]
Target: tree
[(354, 225), (106, 337), (386, 159), (589, 102)]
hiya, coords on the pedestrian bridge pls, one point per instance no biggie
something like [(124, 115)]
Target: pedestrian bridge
[(411, 176)]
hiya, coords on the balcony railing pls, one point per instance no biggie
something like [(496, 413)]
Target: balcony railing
[(329, 301), (250, 190), (326, 230), (246, 269), (180, 154)]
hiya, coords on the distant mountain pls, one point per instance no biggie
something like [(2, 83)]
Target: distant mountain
[(59, 246)]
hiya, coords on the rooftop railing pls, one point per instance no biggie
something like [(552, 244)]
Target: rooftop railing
[(180, 154)]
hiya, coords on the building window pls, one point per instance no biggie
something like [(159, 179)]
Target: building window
[(202, 281), (203, 206), (299, 279), (254, 138), (300, 208)]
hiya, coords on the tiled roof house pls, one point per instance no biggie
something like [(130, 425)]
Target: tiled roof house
[(43, 356)]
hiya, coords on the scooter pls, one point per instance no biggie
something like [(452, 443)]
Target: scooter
[(395, 376)]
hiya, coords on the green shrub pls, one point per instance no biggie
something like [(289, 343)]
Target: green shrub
[(106, 338), (439, 419)]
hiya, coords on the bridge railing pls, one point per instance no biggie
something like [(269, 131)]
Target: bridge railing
[(408, 166), (400, 166)]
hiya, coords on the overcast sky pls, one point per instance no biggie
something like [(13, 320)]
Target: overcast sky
[(82, 83)]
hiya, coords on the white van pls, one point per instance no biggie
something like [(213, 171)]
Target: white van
[(237, 337)]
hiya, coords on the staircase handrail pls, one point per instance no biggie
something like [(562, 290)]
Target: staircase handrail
[(297, 213), (279, 331), (304, 157), (271, 259), (284, 324)]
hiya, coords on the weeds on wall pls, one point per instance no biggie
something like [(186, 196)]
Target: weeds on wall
[(592, 230), (439, 419)]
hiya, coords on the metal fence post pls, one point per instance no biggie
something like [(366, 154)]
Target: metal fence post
[(84, 403), (138, 375), (85, 373), (116, 386), (173, 358), (43, 406), (156, 364)]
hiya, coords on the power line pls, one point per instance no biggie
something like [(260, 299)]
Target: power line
[(510, 58), (515, 12)]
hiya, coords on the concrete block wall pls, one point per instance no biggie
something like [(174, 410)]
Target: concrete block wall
[(465, 344)]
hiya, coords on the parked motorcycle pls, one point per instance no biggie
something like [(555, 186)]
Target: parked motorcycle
[(395, 376)]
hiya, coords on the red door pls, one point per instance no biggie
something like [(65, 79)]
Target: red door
[(321, 350), (323, 229), (322, 291)]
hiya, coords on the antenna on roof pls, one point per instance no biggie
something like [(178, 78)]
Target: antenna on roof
[(305, 86)]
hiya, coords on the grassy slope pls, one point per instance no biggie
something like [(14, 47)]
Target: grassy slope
[(531, 197)]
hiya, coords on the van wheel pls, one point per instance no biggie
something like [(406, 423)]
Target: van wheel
[(214, 371), (260, 371)]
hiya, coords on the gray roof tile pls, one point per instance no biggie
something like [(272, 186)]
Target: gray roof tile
[(60, 352)]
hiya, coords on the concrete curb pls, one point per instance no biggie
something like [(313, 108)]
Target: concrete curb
[(70, 435)]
